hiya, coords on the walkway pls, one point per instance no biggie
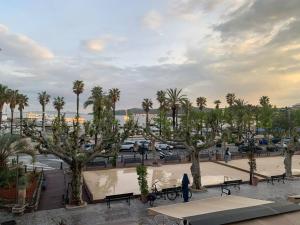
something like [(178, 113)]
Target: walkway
[(51, 198)]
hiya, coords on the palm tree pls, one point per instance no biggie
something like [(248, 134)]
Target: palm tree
[(230, 97), (174, 98), (114, 94), (217, 103), (12, 145), (58, 104), (3, 100), (78, 87), (44, 99), (201, 103), (161, 98), (147, 105), (264, 101), (13, 101), (22, 102), (96, 99)]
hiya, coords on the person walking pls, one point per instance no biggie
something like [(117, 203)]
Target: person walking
[(185, 187), (227, 155)]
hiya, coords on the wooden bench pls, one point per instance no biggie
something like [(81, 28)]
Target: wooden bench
[(119, 197), (276, 177), (294, 199), (132, 160), (171, 158), (97, 163), (10, 222), (230, 183)]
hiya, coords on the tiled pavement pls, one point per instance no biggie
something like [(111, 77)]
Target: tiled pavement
[(136, 214)]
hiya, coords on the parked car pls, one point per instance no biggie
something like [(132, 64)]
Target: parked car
[(272, 148), (163, 146), (276, 140), (88, 147), (239, 143), (244, 148), (145, 143), (127, 146), (200, 143), (263, 142), (164, 153)]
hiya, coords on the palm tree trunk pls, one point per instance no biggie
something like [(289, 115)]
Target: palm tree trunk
[(176, 115), (160, 118), (114, 115), (11, 120), (43, 118), (77, 109), (21, 122), (147, 119), (173, 118), (1, 109), (58, 114)]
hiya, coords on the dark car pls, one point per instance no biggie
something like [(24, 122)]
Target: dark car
[(263, 142), (244, 148), (276, 140), (272, 148), (239, 143)]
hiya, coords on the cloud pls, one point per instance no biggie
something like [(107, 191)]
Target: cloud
[(100, 44), (95, 45), (153, 20), (18, 47)]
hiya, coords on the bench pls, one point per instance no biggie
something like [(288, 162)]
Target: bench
[(276, 177), (294, 199), (119, 197), (132, 160), (170, 158), (10, 222), (230, 183), (97, 163)]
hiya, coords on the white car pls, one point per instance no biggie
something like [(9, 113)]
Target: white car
[(200, 143), (127, 146), (163, 146)]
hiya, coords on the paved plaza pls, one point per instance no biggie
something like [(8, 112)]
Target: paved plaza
[(269, 166), (124, 180), (136, 214)]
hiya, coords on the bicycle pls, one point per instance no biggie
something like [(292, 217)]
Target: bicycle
[(175, 192), (155, 194)]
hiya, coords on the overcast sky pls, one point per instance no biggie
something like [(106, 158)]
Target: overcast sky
[(206, 47)]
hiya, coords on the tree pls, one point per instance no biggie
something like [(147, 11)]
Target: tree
[(161, 98), (230, 98), (11, 144), (264, 101), (201, 103), (78, 87), (22, 101), (174, 98), (44, 99), (3, 100), (217, 103), (114, 95), (147, 105), (97, 100), (59, 104), (13, 101), (69, 147)]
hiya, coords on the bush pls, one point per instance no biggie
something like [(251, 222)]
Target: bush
[(7, 177), (142, 179)]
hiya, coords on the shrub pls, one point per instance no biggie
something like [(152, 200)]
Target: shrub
[(142, 179)]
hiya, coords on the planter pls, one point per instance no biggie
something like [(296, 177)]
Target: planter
[(144, 199), (255, 181)]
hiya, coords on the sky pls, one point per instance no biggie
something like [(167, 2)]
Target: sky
[(206, 47)]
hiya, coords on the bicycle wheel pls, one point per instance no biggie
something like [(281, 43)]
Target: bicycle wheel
[(190, 194), (172, 195)]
